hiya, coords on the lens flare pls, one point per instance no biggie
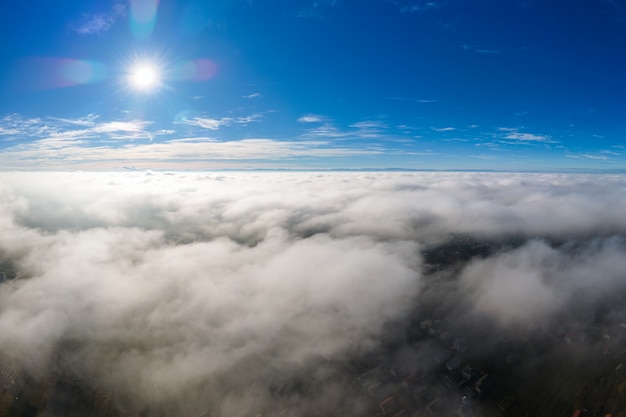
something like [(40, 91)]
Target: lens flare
[(143, 15), (196, 70), (60, 72)]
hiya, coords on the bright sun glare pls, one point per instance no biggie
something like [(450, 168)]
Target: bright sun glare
[(144, 77)]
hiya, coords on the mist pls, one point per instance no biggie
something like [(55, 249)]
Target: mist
[(287, 293)]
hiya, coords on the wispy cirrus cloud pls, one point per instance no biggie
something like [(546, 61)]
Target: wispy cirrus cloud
[(84, 143), (57, 132), (325, 131), (416, 6), (588, 156), (211, 123), (88, 120), (369, 124), (311, 118), (208, 123), (98, 134), (480, 50), (527, 137), (253, 118), (118, 129), (369, 128), (364, 129), (14, 125), (165, 132), (516, 135), (413, 99), (98, 23), (171, 154), (602, 155)]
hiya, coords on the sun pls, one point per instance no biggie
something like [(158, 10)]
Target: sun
[(144, 77)]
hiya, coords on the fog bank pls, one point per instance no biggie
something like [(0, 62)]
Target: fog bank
[(207, 292)]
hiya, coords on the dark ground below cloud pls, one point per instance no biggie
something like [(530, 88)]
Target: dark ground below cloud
[(442, 358)]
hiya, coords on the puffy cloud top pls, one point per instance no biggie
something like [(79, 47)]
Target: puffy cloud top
[(192, 289)]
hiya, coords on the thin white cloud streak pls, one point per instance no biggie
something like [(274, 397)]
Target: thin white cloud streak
[(85, 143), (594, 157), (215, 124), (98, 23), (365, 129), (311, 118), (369, 124), (123, 131), (16, 125), (67, 151), (326, 131), (59, 129), (421, 7), (413, 99), (208, 123), (210, 285), (483, 51), (88, 120), (527, 137)]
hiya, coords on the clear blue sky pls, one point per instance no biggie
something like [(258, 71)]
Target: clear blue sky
[(451, 84)]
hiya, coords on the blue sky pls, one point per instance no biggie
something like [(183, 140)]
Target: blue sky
[(300, 84)]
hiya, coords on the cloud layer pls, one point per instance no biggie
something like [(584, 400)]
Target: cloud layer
[(198, 291)]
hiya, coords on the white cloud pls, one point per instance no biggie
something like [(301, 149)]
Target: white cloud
[(58, 129), (596, 157), (484, 51), (208, 123), (130, 130), (256, 301), (365, 129), (527, 137), (416, 100), (213, 292), (325, 131), (88, 120), (244, 120), (16, 125), (98, 23), (165, 132), (369, 124), (536, 281), (311, 118), (70, 151), (443, 129), (421, 6), (112, 127), (215, 123)]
